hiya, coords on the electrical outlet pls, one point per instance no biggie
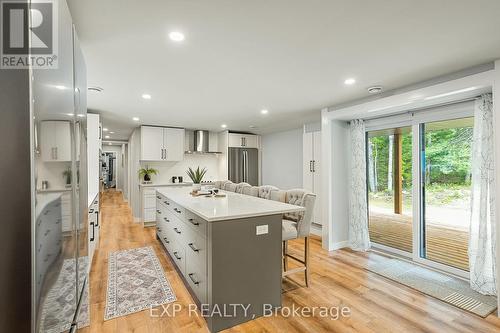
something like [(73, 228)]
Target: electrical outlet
[(262, 229)]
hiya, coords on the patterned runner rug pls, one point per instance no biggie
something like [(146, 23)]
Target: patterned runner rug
[(136, 282)]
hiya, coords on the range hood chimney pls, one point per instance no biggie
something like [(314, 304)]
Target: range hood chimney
[(201, 143)]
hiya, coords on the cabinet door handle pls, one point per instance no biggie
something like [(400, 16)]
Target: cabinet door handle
[(56, 152), (167, 203), (177, 231), (166, 240), (314, 165), (193, 248), (177, 211), (193, 222), (177, 256), (158, 211), (93, 232), (192, 279), (310, 166), (97, 218), (158, 197), (91, 210), (165, 153), (159, 230), (166, 220)]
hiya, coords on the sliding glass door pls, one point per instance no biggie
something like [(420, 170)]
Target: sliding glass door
[(389, 170), (445, 190), (419, 188)]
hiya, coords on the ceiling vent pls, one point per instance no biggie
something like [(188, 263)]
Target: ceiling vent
[(375, 89)]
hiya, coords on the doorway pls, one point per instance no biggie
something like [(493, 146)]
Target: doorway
[(419, 187)]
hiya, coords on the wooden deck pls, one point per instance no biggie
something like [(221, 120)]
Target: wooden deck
[(444, 245)]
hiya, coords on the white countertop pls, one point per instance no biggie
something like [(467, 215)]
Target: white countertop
[(164, 184), (232, 206)]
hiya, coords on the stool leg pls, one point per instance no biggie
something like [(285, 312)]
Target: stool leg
[(285, 262), (306, 256)]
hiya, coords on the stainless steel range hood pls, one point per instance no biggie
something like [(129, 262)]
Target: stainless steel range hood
[(199, 143)]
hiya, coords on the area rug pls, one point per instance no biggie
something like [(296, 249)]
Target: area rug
[(59, 306), (441, 286), (136, 282)]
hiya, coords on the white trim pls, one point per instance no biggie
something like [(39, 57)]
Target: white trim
[(339, 245), (391, 250), (316, 230), (442, 267)]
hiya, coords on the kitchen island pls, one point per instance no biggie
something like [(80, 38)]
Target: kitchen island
[(227, 249)]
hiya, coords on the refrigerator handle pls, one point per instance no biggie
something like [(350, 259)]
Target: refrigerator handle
[(246, 166)]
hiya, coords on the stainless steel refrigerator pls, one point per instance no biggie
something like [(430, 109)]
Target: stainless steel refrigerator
[(244, 165), (44, 199)]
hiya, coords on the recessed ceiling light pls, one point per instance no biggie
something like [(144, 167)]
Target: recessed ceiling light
[(105, 129), (350, 81), (60, 87), (176, 36), (146, 96), (252, 126), (106, 136), (135, 119), (111, 132), (80, 115), (264, 111), (223, 125), (110, 144), (70, 114)]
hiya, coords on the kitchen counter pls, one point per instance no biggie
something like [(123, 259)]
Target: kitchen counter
[(226, 249), (232, 206)]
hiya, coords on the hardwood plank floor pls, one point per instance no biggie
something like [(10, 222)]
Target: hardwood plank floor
[(338, 280)]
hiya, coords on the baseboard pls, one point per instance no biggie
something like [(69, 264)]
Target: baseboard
[(339, 245), (316, 230)]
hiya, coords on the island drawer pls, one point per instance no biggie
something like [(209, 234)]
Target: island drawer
[(196, 247), (178, 210), (178, 253), (196, 276), (196, 222)]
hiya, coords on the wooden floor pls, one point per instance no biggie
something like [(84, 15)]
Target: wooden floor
[(444, 245), (338, 280)]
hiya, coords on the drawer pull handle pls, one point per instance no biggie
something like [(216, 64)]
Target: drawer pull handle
[(192, 279), (159, 229), (177, 230), (91, 211), (193, 248), (166, 220), (158, 197), (158, 211), (176, 256), (166, 240), (193, 222), (167, 203), (177, 211)]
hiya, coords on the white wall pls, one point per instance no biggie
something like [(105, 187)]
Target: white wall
[(169, 169), (496, 117), (282, 159)]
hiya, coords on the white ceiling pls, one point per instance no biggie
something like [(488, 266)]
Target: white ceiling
[(288, 56)]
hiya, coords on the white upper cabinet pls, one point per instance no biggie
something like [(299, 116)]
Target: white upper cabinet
[(55, 141), (152, 143), (162, 144), (174, 144), (311, 179), (243, 140)]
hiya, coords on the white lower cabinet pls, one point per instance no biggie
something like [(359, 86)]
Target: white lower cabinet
[(148, 204), (94, 226)]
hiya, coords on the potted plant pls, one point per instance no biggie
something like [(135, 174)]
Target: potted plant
[(196, 176), (67, 175), (146, 173)]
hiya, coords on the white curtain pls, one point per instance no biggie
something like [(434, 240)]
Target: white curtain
[(359, 238), (482, 238)]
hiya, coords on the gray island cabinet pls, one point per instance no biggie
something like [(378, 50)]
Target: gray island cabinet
[(227, 249)]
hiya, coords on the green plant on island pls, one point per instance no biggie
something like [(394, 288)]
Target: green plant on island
[(197, 174)]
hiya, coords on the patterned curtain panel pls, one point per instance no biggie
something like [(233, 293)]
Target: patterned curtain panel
[(359, 238), (482, 238)]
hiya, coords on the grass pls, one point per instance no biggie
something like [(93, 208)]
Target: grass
[(451, 195)]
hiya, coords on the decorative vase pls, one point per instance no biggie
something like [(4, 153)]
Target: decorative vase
[(147, 178), (196, 187)]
